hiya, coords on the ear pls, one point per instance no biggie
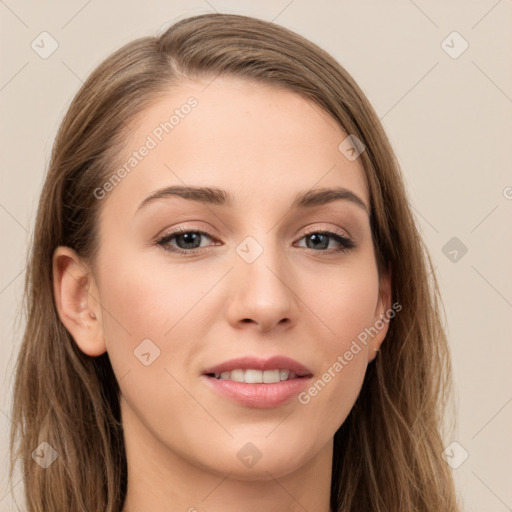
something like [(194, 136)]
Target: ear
[(77, 301), (382, 315)]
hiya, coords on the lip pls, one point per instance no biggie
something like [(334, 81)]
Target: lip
[(260, 396), (256, 363)]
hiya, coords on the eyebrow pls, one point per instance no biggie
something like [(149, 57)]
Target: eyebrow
[(220, 197)]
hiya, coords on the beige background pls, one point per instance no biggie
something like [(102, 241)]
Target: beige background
[(449, 120)]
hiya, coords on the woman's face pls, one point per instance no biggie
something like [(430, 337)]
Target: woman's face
[(262, 283)]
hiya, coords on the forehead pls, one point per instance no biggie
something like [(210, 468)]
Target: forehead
[(262, 143)]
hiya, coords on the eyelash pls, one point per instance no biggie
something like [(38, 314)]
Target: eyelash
[(346, 243)]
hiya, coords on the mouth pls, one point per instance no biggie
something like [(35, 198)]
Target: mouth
[(258, 383)]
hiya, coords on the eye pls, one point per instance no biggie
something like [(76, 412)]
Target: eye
[(320, 240), (187, 241)]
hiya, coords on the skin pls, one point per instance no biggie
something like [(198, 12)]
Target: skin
[(263, 145)]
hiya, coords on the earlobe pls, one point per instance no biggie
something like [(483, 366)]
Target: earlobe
[(77, 301)]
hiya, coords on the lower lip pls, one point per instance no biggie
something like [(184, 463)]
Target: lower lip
[(261, 396)]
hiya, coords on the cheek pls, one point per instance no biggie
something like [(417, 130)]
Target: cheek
[(346, 304), (144, 301)]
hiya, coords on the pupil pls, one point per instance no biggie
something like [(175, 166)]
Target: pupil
[(188, 238), (319, 242)]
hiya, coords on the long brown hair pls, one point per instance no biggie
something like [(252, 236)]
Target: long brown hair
[(388, 452)]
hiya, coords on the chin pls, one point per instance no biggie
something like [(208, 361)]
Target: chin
[(260, 458)]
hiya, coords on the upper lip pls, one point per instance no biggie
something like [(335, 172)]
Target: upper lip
[(258, 363)]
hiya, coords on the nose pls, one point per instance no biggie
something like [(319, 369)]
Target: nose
[(262, 294)]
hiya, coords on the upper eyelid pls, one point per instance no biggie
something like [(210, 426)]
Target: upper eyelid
[(307, 230), (340, 232)]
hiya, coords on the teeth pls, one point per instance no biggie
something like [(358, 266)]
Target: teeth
[(253, 376), (237, 376), (271, 376), (257, 376)]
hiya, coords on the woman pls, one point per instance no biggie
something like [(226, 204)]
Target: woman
[(228, 302)]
